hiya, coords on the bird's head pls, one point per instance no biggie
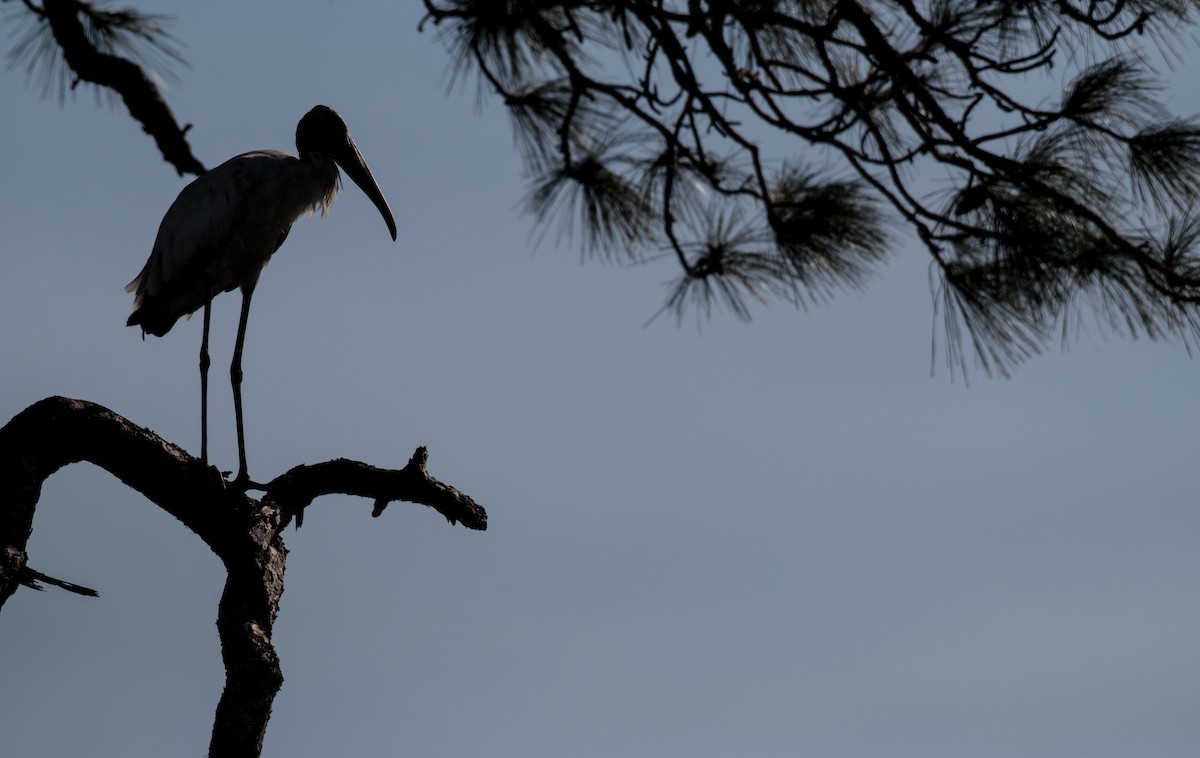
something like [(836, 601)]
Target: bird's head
[(322, 130)]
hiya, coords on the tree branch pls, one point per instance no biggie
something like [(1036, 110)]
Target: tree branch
[(297, 488), (1048, 207), (244, 533), (124, 77), (33, 579)]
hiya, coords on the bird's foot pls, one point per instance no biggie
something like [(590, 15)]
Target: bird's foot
[(242, 482)]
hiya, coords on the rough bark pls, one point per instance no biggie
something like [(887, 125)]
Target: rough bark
[(246, 533)]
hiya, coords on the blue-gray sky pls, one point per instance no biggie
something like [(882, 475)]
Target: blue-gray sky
[(777, 539)]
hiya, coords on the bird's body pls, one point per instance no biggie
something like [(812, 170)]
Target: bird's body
[(224, 227), (222, 230)]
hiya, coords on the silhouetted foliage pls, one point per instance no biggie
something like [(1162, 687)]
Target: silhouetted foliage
[(769, 145), (62, 43)]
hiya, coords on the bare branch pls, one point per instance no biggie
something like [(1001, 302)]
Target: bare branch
[(33, 579), (296, 489), (244, 533)]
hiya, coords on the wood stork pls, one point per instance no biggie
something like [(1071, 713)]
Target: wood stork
[(223, 228)]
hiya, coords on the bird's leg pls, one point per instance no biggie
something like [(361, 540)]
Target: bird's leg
[(204, 385), (242, 480)]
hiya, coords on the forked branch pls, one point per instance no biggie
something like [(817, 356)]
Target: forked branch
[(244, 532)]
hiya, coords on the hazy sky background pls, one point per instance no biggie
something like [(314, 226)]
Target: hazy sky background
[(777, 539)]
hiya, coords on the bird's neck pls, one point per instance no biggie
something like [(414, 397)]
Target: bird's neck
[(327, 179)]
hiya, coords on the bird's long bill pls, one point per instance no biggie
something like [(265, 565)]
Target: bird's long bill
[(355, 167)]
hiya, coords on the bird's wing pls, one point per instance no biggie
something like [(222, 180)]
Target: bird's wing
[(218, 213), (216, 236)]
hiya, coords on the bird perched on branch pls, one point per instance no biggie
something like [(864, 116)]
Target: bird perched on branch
[(223, 228)]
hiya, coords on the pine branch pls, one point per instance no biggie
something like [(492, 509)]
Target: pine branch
[(107, 70), (1049, 207)]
